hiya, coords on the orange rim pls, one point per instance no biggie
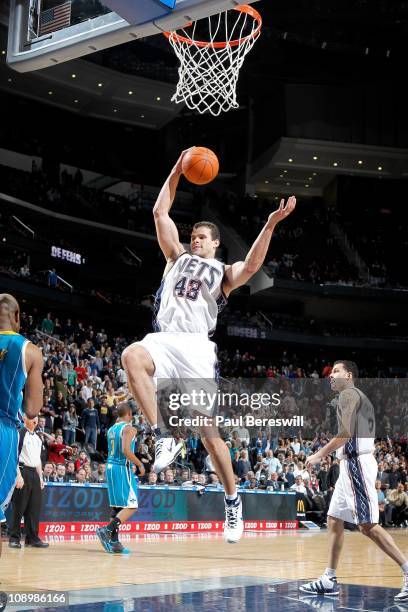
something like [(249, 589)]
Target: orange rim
[(244, 8)]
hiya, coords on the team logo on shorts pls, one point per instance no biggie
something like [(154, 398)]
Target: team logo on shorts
[(3, 353)]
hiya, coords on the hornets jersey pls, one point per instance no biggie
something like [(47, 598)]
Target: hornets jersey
[(190, 296), (12, 375), (12, 379), (116, 454), (121, 481)]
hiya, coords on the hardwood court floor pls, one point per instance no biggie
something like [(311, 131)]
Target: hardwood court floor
[(72, 565)]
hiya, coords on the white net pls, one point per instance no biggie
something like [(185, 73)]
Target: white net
[(209, 69)]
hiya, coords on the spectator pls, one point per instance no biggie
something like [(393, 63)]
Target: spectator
[(301, 471), (272, 483), (202, 480), (87, 390), (52, 279), (72, 376), (243, 435), (48, 472), (88, 472), (287, 476), (58, 451), (81, 476), (69, 424), (152, 478), (105, 414), (60, 475), (322, 476), (314, 485), (82, 372), (243, 465), (99, 475), (272, 464), (90, 423), (299, 486), (81, 460), (25, 271), (398, 501), (47, 324), (394, 476), (333, 475), (70, 471), (169, 477), (184, 476), (295, 445)]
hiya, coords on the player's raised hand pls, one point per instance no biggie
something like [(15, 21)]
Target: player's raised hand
[(283, 211), (179, 163)]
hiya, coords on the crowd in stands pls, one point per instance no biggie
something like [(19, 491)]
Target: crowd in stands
[(379, 235), (84, 382), (69, 196), (297, 247), (266, 319)]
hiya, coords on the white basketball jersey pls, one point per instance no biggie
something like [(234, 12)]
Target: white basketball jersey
[(362, 442), (190, 296)]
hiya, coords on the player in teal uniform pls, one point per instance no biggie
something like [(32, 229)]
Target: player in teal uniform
[(21, 365), (120, 478)]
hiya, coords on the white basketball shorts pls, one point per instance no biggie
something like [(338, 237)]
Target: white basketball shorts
[(190, 358), (355, 498)]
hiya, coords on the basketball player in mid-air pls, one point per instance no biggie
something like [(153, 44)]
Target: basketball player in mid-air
[(194, 289), (21, 365), (355, 497), (121, 481)]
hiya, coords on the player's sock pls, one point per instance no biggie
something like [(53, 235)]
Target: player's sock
[(331, 573), (156, 432), (404, 567), (114, 525), (231, 499)]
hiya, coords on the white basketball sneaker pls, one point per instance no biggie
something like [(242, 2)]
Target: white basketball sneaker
[(234, 523), (166, 451), (322, 586), (402, 596)]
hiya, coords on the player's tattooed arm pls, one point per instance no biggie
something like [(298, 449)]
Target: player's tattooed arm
[(348, 404), (166, 229), (349, 401), (241, 271)]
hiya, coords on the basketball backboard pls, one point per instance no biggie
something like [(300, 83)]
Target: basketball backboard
[(47, 32)]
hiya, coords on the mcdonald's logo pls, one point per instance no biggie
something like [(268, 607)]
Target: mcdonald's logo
[(300, 506)]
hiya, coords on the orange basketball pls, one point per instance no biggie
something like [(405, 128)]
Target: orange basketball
[(200, 165)]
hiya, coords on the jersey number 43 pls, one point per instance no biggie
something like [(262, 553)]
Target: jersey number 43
[(188, 288)]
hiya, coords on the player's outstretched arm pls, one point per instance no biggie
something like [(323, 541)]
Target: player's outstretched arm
[(166, 230), (241, 271), (33, 390)]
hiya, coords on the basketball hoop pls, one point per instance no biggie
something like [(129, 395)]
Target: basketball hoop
[(209, 69)]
